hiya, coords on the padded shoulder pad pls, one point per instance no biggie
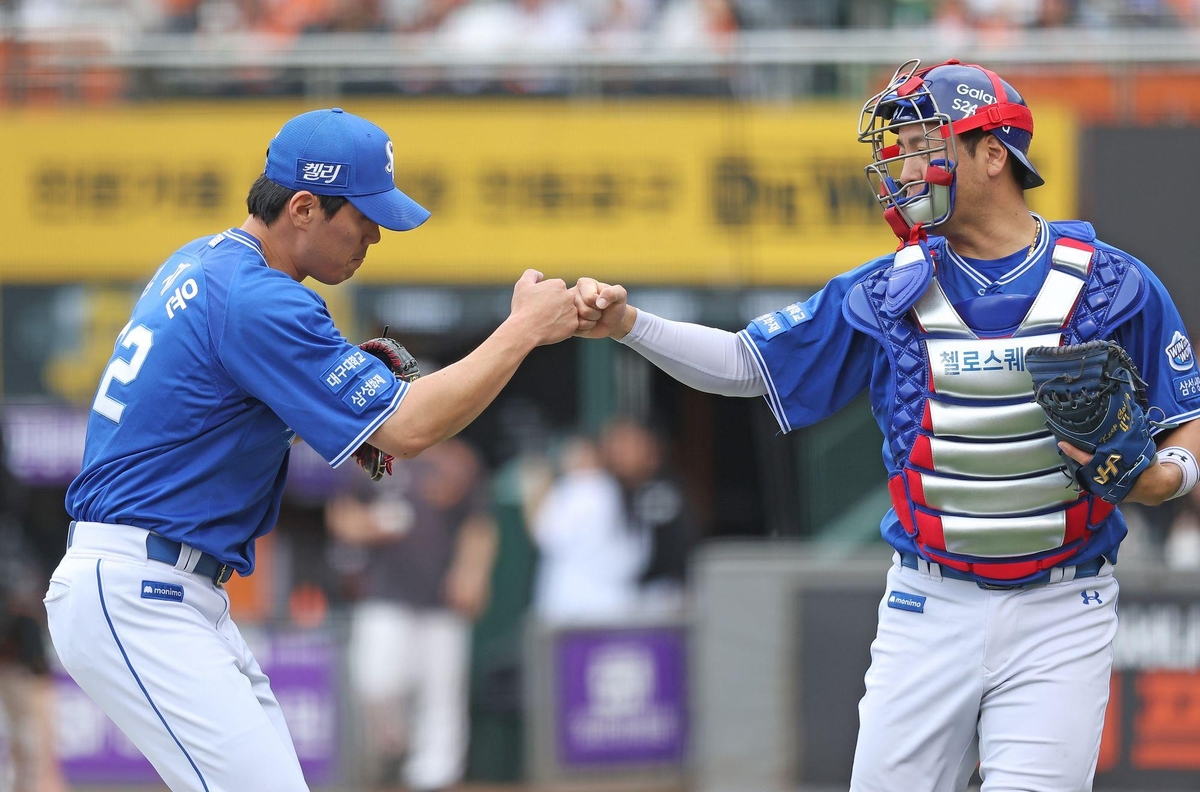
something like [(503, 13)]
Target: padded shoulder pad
[(1130, 296), (1078, 230), (907, 278), (859, 311)]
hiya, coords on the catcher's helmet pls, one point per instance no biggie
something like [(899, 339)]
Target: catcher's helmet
[(945, 100)]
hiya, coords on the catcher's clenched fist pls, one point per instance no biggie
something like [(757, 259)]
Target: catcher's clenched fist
[(1095, 401)]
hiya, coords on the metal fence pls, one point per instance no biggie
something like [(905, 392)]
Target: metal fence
[(103, 62)]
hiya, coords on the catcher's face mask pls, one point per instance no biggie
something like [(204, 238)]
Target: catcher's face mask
[(927, 109)]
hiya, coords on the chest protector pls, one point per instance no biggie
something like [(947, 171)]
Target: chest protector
[(979, 484)]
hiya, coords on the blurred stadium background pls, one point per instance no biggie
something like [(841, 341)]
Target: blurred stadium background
[(703, 153)]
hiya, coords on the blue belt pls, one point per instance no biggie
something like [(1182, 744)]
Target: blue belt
[(1084, 570), (160, 548)]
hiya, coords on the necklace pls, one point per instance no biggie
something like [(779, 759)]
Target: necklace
[(1037, 232)]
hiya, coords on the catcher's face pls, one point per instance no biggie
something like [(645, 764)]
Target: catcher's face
[(337, 246)]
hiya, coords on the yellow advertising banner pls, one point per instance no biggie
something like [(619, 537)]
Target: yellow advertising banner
[(653, 191)]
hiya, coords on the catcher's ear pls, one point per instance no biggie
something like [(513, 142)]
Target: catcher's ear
[(997, 155)]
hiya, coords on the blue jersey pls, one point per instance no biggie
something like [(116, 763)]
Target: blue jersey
[(814, 362), (222, 364)]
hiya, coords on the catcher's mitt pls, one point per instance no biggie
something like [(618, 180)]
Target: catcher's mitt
[(404, 366), (1094, 399)]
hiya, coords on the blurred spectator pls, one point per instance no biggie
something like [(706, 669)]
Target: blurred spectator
[(489, 26), (613, 531), (654, 509), (181, 16), (26, 687), (623, 18), (418, 16), (590, 560), (425, 542), (697, 24)]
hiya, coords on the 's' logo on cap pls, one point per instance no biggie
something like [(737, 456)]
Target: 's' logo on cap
[(391, 166), (334, 174)]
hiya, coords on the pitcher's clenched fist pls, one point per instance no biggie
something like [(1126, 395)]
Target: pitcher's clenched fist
[(545, 308)]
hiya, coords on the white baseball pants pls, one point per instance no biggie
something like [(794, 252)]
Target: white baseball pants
[(155, 648), (1016, 680)]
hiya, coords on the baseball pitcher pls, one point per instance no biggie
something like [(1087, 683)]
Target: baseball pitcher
[(226, 361)]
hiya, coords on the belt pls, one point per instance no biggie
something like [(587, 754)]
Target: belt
[(1084, 570), (160, 548), (167, 551)]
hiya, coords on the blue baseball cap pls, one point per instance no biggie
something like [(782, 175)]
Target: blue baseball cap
[(332, 152)]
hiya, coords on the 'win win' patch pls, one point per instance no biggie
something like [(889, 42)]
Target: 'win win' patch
[(153, 589), (902, 600)]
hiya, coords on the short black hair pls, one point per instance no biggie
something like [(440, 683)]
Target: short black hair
[(267, 199)]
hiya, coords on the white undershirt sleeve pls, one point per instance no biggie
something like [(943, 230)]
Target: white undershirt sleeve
[(704, 358)]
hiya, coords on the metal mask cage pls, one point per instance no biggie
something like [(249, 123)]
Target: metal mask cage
[(907, 102)]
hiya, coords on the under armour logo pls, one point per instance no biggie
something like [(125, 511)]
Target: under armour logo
[(1107, 470), (1089, 598), (391, 155)]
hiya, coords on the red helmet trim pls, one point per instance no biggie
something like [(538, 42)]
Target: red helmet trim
[(1002, 113)]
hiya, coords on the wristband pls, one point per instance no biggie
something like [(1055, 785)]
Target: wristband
[(1186, 462)]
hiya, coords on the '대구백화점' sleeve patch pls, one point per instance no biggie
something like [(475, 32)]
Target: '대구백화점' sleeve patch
[(341, 372)]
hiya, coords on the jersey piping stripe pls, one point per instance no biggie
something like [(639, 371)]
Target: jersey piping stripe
[(230, 235), (772, 395), (1011, 275), (136, 678), (1181, 418), (237, 233), (367, 432)]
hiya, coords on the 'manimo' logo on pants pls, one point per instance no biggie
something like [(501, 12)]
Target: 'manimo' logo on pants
[(902, 600), (153, 589), (1090, 597)]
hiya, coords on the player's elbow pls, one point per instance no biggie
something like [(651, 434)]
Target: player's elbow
[(403, 439), (411, 449)]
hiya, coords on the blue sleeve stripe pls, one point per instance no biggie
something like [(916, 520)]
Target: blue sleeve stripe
[(371, 427), (772, 395), (112, 629), (1182, 418)]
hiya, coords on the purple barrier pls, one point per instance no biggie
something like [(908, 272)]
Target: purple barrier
[(44, 442), (303, 671), (622, 697), (45, 448)]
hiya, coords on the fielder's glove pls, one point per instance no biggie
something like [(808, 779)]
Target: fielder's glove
[(1094, 399), (404, 366)]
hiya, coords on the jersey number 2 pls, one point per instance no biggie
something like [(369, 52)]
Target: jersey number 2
[(139, 339)]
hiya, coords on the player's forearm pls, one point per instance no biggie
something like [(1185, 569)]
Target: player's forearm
[(442, 404), (704, 358), (1160, 481)]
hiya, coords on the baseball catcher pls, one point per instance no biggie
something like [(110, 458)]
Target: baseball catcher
[(404, 366), (1095, 400)]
